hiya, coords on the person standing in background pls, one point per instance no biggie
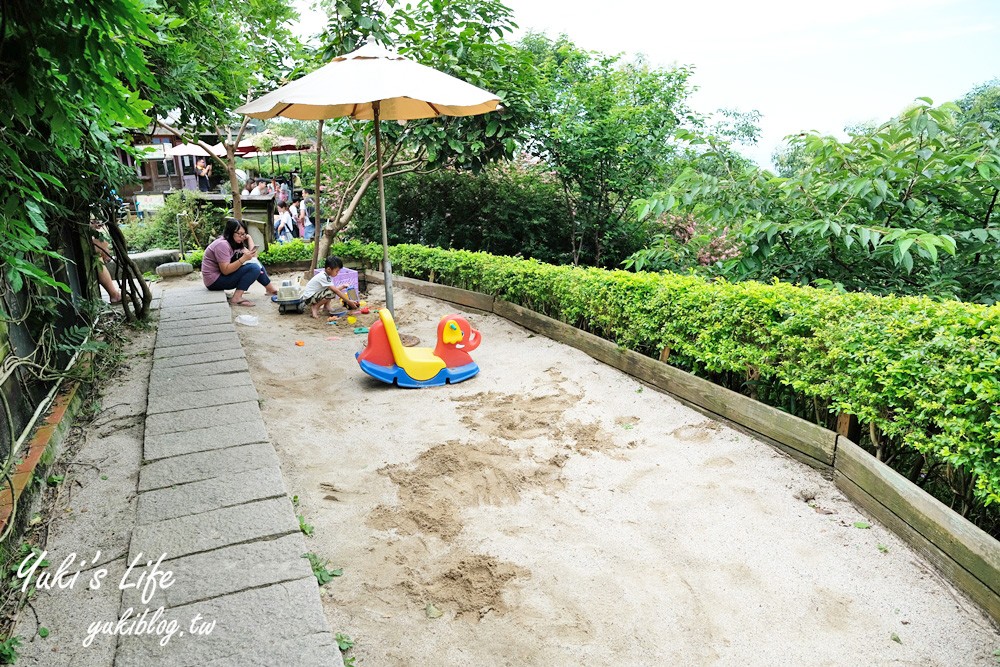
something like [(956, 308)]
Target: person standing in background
[(203, 171)]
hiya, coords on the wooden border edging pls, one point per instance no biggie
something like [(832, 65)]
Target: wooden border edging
[(967, 555), (462, 297)]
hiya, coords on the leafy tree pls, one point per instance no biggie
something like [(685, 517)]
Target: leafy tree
[(460, 38), (220, 52), (352, 23), (684, 241), (907, 207), (605, 126), (982, 104), (509, 208), (68, 101)]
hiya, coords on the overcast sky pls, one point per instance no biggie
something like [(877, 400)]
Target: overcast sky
[(804, 65)]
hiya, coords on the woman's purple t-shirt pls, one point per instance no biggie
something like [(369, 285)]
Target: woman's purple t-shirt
[(217, 251)]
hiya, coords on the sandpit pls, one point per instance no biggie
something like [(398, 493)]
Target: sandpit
[(554, 511)]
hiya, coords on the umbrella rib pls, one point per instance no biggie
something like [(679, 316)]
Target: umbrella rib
[(283, 109), (434, 109)]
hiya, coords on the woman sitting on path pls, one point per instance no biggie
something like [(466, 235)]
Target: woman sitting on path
[(229, 263)]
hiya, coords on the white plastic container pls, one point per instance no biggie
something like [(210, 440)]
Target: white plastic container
[(249, 320)]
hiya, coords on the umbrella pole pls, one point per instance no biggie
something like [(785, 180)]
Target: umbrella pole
[(318, 226), (386, 264)]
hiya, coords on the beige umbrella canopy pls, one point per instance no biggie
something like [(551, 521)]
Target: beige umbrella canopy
[(373, 84)]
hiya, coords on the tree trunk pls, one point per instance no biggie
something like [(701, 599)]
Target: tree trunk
[(344, 218), (136, 295), (234, 181)]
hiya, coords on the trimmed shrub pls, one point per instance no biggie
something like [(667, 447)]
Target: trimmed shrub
[(295, 250)]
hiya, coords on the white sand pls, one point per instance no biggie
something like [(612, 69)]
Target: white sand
[(557, 512)]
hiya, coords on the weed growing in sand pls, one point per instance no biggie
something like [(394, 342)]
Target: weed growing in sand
[(8, 650), (894, 637), (320, 571), (345, 644), (862, 524), (307, 529), (883, 548)]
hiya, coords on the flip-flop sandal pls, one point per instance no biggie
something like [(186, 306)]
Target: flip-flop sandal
[(245, 303)]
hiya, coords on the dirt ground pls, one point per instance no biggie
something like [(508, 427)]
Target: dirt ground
[(554, 511)]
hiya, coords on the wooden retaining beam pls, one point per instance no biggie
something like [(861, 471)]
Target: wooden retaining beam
[(967, 555)]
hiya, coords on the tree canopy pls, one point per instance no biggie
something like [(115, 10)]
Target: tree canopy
[(604, 124), (907, 207)]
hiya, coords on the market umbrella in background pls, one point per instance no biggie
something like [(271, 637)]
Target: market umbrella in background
[(372, 83), (272, 153), (195, 150)]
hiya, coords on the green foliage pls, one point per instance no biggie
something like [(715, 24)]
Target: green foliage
[(345, 644), (906, 207), (8, 650), (186, 215), (508, 208), (319, 568), (982, 104), (925, 374), (605, 127), (66, 100), (217, 51), (306, 528), (462, 38), (351, 23), (194, 258), (295, 250)]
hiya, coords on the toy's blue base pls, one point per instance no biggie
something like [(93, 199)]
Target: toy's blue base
[(396, 375)]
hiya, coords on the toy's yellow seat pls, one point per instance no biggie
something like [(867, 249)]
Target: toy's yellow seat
[(420, 363)]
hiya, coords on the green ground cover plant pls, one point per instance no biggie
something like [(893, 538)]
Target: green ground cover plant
[(922, 376)]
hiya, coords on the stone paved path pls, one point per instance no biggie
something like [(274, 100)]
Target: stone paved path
[(209, 497)]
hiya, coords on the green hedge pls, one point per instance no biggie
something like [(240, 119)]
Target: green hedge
[(295, 250), (925, 373)]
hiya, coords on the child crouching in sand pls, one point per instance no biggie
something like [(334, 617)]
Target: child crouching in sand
[(320, 291)]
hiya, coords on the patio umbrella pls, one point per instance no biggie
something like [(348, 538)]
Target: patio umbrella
[(373, 84), (253, 144), (195, 150)]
